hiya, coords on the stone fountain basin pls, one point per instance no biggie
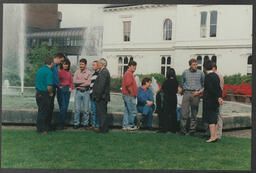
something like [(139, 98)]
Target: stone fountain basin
[(17, 109), (28, 116)]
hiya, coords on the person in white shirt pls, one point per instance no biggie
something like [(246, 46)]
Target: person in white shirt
[(179, 101)]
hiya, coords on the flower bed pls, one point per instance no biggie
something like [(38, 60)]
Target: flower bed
[(244, 89)]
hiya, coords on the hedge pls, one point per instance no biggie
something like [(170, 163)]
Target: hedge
[(237, 79)]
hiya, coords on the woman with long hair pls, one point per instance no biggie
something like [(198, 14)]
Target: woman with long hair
[(66, 86), (170, 87)]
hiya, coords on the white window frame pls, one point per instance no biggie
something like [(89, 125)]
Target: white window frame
[(167, 30), (249, 65), (203, 59), (165, 65), (122, 65), (215, 24), (203, 28), (129, 32)]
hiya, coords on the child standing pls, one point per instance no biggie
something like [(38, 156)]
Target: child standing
[(179, 101)]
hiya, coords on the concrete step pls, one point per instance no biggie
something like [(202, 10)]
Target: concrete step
[(28, 116)]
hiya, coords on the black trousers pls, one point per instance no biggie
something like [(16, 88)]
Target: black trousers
[(43, 103), (55, 91), (169, 119), (101, 111)]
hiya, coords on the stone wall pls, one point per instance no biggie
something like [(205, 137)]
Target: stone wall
[(28, 116)]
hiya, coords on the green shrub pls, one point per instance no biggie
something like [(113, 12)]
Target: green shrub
[(159, 77), (73, 69), (237, 79), (35, 60), (115, 84)]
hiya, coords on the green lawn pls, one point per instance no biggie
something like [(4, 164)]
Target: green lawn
[(121, 150)]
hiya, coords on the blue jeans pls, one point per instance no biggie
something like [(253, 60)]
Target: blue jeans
[(65, 96), (178, 110), (58, 93), (95, 119), (82, 99), (148, 111), (130, 111)]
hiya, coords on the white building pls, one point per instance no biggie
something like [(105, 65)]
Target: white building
[(162, 36)]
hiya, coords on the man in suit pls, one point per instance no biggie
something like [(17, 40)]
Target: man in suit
[(101, 95)]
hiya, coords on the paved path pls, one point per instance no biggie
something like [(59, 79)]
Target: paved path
[(235, 133)]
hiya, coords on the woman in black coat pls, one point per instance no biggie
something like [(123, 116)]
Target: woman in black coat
[(170, 87), (212, 98)]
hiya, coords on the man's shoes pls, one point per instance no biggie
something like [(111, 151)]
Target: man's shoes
[(161, 131), (43, 133), (132, 128), (182, 134), (96, 129), (65, 127), (87, 128), (192, 134), (76, 126), (149, 128), (125, 128), (60, 128), (92, 128), (51, 129)]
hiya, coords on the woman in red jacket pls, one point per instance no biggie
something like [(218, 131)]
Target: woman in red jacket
[(65, 77)]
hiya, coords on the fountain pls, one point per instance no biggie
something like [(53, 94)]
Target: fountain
[(6, 84), (93, 36), (14, 39), (137, 79), (154, 85), (22, 46)]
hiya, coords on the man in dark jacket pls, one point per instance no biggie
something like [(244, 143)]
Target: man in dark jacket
[(101, 95)]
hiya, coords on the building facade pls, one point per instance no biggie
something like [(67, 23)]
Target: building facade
[(158, 37)]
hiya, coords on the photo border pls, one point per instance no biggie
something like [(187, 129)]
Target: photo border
[(180, 2)]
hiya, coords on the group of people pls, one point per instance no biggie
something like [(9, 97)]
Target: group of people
[(176, 104), (55, 78)]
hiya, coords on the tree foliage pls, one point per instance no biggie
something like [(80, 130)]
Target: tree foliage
[(35, 60)]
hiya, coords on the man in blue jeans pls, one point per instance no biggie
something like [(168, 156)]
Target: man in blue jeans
[(130, 91), (59, 57), (82, 81), (146, 103)]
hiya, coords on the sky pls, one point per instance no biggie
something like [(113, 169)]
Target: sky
[(80, 15)]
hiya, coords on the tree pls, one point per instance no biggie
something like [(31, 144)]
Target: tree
[(36, 60)]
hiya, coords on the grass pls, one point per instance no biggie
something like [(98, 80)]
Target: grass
[(121, 150)]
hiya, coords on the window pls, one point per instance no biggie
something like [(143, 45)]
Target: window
[(213, 24), (214, 59), (123, 64), (249, 65), (203, 24), (167, 29), (50, 42), (165, 64), (201, 61), (68, 41), (127, 30)]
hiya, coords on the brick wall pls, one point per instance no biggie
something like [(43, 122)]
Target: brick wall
[(43, 16)]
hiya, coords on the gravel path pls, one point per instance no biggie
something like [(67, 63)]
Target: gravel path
[(246, 133)]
